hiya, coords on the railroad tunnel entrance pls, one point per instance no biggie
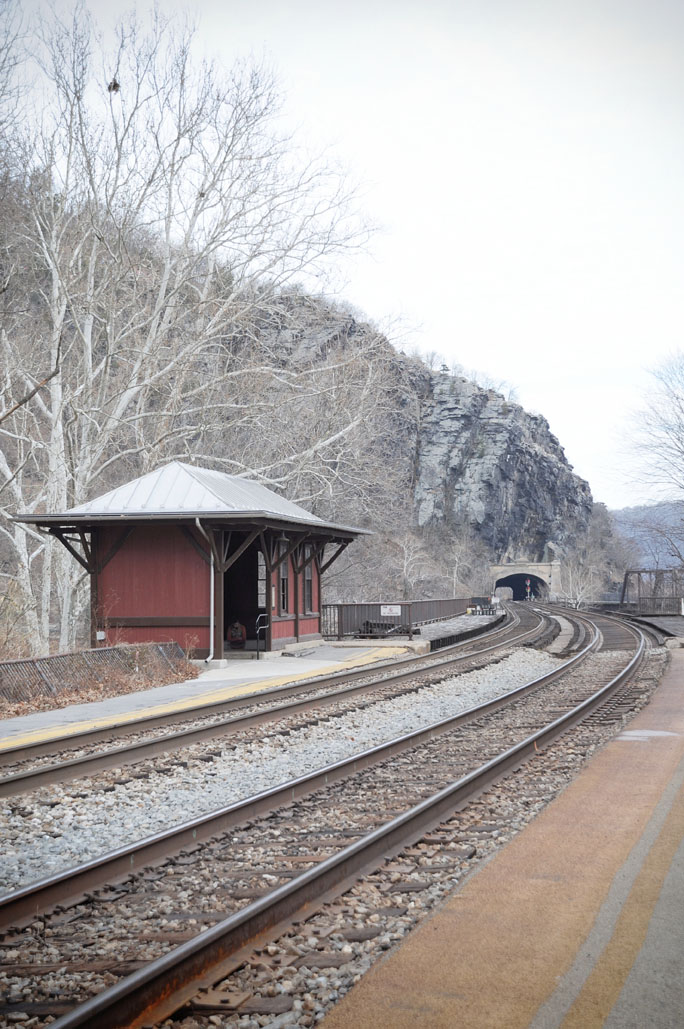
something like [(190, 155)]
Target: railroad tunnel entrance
[(544, 576), (518, 582)]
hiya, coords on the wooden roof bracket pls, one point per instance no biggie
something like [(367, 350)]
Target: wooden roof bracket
[(279, 559), (227, 562), (210, 535), (341, 546), (315, 556), (298, 562), (86, 558)]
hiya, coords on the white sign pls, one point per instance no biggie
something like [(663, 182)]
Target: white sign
[(390, 609)]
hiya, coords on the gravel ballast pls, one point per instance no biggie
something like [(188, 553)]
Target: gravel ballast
[(57, 827)]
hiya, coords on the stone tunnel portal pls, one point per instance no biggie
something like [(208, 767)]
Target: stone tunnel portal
[(518, 583)]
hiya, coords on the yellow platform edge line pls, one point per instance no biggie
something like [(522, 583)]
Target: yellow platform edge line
[(63, 731), (603, 986)]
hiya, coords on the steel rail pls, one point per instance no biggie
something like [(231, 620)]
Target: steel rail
[(88, 764), (69, 887), (594, 617), (161, 987), (8, 754), (626, 622)]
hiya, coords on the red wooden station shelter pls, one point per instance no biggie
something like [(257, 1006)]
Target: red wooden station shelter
[(183, 552)]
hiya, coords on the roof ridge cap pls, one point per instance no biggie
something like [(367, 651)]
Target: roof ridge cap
[(191, 469)]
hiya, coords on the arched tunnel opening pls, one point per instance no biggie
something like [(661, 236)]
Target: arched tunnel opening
[(518, 582)]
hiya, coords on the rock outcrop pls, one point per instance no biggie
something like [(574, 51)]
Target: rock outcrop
[(470, 458), (484, 461)]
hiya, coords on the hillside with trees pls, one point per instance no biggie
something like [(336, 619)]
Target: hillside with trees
[(163, 256)]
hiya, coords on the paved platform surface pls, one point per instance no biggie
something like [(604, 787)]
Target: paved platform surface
[(564, 637), (239, 678), (673, 624), (455, 626), (578, 922)]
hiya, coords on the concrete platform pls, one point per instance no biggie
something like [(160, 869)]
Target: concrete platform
[(673, 625), (231, 679), (564, 637), (455, 626), (578, 922)]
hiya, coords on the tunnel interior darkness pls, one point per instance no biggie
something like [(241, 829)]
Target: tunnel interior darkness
[(518, 583)]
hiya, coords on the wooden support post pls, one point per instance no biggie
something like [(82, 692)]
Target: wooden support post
[(218, 610), (269, 558), (295, 570), (93, 609)]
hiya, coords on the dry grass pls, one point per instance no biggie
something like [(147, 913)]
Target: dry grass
[(116, 683)]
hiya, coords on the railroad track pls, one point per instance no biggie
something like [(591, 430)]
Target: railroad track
[(338, 832), (29, 767)]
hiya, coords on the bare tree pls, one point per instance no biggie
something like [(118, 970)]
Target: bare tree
[(484, 380), (156, 218), (581, 580), (318, 421), (657, 535), (659, 442), (413, 562), (597, 563), (660, 427), (11, 35)]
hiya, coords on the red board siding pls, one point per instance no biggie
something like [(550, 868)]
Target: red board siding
[(157, 573), (190, 638), (308, 626), (283, 628)]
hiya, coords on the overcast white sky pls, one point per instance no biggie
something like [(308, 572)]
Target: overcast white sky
[(525, 161)]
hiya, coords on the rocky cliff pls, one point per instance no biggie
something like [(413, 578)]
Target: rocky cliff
[(486, 462), (465, 456)]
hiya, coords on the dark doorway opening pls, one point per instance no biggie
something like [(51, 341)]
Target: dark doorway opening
[(243, 591)]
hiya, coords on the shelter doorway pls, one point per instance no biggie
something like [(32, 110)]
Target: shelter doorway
[(243, 591)]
